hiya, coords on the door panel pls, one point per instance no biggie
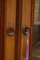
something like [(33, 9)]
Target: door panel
[(9, 24), (26, 17)]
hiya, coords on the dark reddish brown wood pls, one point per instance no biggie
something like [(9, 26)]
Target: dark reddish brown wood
[(18, 29), (31, 27), (1, 30)]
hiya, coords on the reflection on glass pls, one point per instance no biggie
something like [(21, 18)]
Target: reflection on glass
[(27, 50), (36, 32)]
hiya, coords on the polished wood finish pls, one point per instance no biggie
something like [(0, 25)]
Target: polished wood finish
[(16, 14), (1, 30), (9, 21), (18, 29), (31, 28), (26, 18)]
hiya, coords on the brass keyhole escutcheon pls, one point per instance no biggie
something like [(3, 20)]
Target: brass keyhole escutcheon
[(10, 31), (26, 30)]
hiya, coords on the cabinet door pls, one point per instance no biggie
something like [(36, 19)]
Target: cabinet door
[(9, 29)]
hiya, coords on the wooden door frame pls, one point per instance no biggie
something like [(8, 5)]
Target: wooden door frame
[(1, 29), (31, 27), (31, 22)]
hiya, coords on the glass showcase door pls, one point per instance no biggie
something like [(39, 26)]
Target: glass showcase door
[(36, 32)]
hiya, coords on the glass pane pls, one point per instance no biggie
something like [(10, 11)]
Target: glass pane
[(36, 32)]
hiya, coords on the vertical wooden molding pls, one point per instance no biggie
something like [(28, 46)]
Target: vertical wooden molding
[(26, 18), (31, 27), (1, 30), (18, 29)]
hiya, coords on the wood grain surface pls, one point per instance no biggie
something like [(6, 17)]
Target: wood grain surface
[(26, 18), (17, 15), (9, 21)]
